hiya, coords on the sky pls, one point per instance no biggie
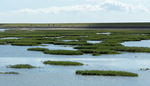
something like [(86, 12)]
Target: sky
[(74, 11)]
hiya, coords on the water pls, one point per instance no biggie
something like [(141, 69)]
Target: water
[(54, 37), (94, 42), (12, 38), (83, 36), (69, 40), (58, 47), (107, 33), (49, 75), (143, 43), (2, 30)]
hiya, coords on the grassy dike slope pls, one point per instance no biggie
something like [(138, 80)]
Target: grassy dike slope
[(75, 25)]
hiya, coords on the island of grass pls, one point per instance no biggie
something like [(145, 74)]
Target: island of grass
[(63, 52), (106, 73), (145, 69), (25, 44), (37, 49), (20, 66), (9, 73), (63, 63)]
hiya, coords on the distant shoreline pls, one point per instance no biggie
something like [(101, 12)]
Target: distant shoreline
[(78, 25)]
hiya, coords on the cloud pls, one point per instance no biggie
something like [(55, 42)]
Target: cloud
[(111, 5), (3, 14), (105, 5), (55, 10)]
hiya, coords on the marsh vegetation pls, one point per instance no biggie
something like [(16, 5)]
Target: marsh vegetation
[(9, 73), (110, 44), (64, 63), (20, 66), (63, 52), (64, 67), (106, 73), (37, 49), (145, 69)]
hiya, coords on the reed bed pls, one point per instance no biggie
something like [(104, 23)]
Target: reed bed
[(63, 63), (105, 73)]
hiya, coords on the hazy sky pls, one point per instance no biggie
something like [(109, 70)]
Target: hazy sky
[(72, 11)]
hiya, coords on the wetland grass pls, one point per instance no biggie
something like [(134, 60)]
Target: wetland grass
[(20, 66), (37, 49), (145, 69), (63, 52), (110, 43), (25, 44), (105, 73), (96, 54), (72, 43), (9, 73), (63, 63)]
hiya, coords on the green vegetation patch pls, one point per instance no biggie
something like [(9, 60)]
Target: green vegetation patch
[(110, 43), (37, 49), (64, 63), (25, 44), (63, 52), (9, 73), (106, 73), (145, 69), (21, 66), (72, 43)]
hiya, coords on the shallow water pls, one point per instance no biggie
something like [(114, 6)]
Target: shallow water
[(2, 30), (94, 42), (12, 38), (58, 47), (107, 33), (143, 43), (49, 75), (69, 40)]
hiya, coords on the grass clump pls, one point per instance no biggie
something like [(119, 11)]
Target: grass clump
[(99, 51), (64, 63), (21, 66), (106, 73), (9, 73), (96, 54), (63, 52), (145, 69), (25, 44), (72, 43), (37, 49)]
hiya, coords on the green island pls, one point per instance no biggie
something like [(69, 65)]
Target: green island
[(105, 73), (145, 69), (20, 66), (37, 49), (9, 73), (63, 63), (63, 52)]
